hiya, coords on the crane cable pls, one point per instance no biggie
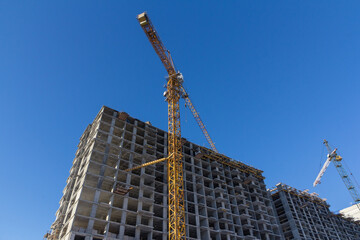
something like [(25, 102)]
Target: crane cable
[(321, 157)]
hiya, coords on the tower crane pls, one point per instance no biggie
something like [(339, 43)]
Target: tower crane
[(337, 160), (174, 91)]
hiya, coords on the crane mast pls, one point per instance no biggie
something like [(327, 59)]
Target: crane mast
[(337, 160)]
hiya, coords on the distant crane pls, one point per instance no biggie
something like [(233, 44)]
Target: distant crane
[(337, 160)]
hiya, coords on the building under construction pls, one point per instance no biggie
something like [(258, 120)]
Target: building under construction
[(224, 198), (306, 216)]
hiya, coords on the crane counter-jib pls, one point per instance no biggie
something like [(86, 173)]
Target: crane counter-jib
[(157, 44)]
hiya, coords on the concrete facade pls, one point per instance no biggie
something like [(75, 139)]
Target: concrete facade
[(224, 200), (305, 216), (352, 212)]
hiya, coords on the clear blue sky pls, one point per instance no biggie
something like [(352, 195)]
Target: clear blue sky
[(271, 80)]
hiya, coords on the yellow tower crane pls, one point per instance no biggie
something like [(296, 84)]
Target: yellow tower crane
[(174, 91)]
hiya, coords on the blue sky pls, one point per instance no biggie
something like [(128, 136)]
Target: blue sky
[(271, 80)]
